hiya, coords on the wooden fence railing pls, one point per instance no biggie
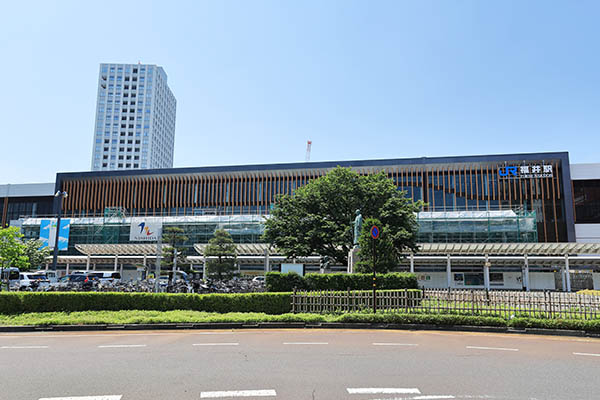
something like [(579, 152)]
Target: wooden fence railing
[(504, 304)]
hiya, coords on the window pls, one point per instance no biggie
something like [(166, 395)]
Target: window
[(123, 118), (129, 157), (106, 149), (121, 149), (126, 79), (126, 87), (120, 165), (136, 165), (103, 166), (127, 165), (135, 70), (122, 141), (120, 157), (123, 126)]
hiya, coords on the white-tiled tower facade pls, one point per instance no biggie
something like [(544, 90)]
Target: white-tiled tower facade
[(135, 118)]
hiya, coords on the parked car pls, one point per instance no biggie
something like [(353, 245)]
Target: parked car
[(11, 275), (31, 280), (258, 279), (84, 281), (105, 276)]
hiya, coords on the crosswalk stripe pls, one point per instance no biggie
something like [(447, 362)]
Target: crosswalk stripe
[(105, 397), (383, 391), (587, 354), (119, 346), (305, 343), (215, 344), (491, 348), (237, 393), (395, 344)]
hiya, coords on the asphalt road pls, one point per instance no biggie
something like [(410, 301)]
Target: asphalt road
[(296, 364)]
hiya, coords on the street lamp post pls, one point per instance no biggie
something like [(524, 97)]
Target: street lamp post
[(61, 195)]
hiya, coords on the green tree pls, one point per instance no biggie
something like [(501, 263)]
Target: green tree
[(36, 255), (12, 250), (222, 247), (173, 239), (317, 219)]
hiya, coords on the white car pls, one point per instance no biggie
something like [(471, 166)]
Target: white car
[(258, 279), (31, 280)]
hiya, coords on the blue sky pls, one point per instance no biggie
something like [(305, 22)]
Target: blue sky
[(254, 80)]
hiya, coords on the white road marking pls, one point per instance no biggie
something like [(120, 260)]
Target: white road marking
[(215, 344), (118, 346), (394, 344), (117, 397), (587, 354), (238, 393), (305, 343), (433, 397), (24, 347), (43, 335), (383, 390), (491, 348)]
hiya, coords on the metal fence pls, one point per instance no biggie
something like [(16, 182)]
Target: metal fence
[(505, 304)]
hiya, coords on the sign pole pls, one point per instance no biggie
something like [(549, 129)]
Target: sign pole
[(158, 254), (374, 278)]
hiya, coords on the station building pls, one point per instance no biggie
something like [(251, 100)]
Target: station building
[(495, 221)]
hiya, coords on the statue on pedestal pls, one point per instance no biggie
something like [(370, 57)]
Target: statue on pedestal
[(357, 227)]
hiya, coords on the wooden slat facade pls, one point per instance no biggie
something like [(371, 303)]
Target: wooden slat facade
[(441, 187)]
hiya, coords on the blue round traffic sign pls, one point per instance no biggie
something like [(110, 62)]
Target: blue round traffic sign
[(374, 232)]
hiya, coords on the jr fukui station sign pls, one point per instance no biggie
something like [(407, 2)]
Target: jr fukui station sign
[(525, 171)]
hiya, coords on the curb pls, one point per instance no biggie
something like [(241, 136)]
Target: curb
[(297, 325)]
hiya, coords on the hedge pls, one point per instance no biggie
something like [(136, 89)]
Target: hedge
[(278, 282), (19, 302)]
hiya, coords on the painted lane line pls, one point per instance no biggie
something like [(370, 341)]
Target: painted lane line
[(120, 334), (117, 397), (587, 354), (394, 344), (24, 347), (238, 393), (119, 346), (491, 348), (215, 344), (433, 397), (383, 391), (308, 343)]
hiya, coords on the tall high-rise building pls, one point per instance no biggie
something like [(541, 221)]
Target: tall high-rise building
[(135, 118)]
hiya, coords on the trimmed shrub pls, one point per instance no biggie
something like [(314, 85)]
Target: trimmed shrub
[(277, 282), (18, 302)]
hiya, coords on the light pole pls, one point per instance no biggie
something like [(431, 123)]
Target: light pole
[(61, 195)]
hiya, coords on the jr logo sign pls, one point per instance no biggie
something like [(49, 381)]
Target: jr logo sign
[(525, 171)]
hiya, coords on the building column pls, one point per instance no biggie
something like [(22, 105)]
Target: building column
[(116, 261), (486, 273), (67, 271), (449, 272), (567, 273), (46, 266), (412, 263), (121, 270), (87, 263), (204, 268), (526, 275)]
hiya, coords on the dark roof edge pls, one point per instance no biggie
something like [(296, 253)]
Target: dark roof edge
[(563, 155)]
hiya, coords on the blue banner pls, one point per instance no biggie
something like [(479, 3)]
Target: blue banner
[(48, 233)]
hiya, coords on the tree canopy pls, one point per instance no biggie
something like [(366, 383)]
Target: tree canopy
[(222, 247), (317, 219), (174, 238)]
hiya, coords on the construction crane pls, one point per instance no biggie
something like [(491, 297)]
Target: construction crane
[(308, 145)]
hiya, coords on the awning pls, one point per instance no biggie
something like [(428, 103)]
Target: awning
[(138, 249)]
